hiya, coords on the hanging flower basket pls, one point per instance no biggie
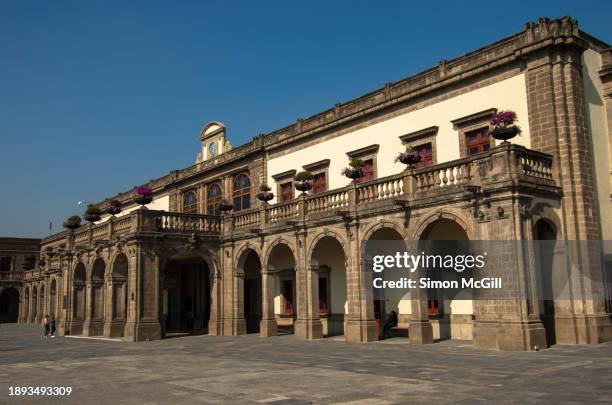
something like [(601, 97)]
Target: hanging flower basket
[(114, 208), (355, 169), (92, 214), (145, 195), (410, 157), (303, 181), (72, 222), (265, 194), (225, 206), (504, 123)]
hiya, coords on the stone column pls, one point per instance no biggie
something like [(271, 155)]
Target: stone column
[(215, 325), (420, 330), (267, 326), (238, 321), (88, 307), (144, 297), (309, 327), (109, 303)]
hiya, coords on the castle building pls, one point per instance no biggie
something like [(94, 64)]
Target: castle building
[(17, 255), (295, 263)]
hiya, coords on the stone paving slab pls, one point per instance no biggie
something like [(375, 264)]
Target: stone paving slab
[(283, 370)]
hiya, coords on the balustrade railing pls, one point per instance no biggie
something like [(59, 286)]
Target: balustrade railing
[(11, 275), (381, 189), (245, 219), (452, 173), (192, 223), (283, 211), (329, 201)]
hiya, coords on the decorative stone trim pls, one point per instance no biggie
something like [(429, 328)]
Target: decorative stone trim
[(317, 166), (367, 151), (420, 134), (287, 175)]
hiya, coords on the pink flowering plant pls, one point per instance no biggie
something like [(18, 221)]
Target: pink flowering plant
[(144, 191), (408, 157), (505, 119)]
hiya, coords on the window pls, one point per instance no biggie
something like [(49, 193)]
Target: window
[(242, 192), (5, 263), (318, 183), (323, 306), (190, 203), (213, 199), (425, 151), (477, 141), (287, 297), (286, 191), (368, 171)]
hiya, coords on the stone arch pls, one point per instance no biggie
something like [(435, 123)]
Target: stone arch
[(328, 259), (430, 219), (240, 254), (119, 284), (544, 211), (327, 233), (248, 287), (278, 241), (79, 298), (26, 303), (372, 229)]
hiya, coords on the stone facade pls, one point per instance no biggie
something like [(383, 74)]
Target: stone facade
[(297, 265), (17, 255)]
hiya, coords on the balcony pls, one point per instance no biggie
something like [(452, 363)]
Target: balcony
[(11, 276), (502, 167)]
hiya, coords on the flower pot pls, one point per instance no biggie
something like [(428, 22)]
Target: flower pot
[(503, 134), (265, 196), (71, 224), (354, 173), (113, 210), (91, 217), (225, 207), (143, 199), (303, 186), (409, 159)]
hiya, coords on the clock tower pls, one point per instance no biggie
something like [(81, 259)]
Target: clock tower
[(213, 141)]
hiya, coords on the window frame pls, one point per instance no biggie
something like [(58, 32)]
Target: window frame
[(215, 205), (194, 206), (318, 168), (283, 178), (241, 193), (423, 137)]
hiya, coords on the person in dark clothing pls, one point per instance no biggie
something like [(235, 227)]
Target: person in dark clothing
[(391, 323), (46, 325), (53, 326)]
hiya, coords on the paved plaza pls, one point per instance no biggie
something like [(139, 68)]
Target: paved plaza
[(283, 370)]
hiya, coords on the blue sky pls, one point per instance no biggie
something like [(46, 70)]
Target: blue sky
[(97, 97)]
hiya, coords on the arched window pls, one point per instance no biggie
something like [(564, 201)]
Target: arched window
[(213, 199), (190, 203), (242, 192)]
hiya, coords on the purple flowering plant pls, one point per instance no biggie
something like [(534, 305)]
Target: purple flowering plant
[(144, 191), (505, 119)]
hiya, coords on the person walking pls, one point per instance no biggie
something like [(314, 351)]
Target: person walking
[(53, 326), (46, 324)]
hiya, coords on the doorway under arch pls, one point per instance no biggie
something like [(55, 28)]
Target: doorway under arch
[(281, 262), (545, 232), (250, 264), (186, 296), (9, 305), (451, 316), (78, 299), (328, 255)]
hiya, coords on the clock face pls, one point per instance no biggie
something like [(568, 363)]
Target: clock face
[(212, 149)]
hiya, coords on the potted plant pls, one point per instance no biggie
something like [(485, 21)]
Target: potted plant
[(72, 222), (265, 194), (114, 208), (354, 171), (92, 213), (145, 195), (504, 125), (225, 206), (409, 157), (303, 181)]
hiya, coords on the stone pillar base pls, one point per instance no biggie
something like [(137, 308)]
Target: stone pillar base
[(142, 331), (420, 332), (75, 327), (360, 331), (267, 328), (510, 336), (586, 329), (93, 328), (114, 328), (234, 327), (215, 327), (308, 329)]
